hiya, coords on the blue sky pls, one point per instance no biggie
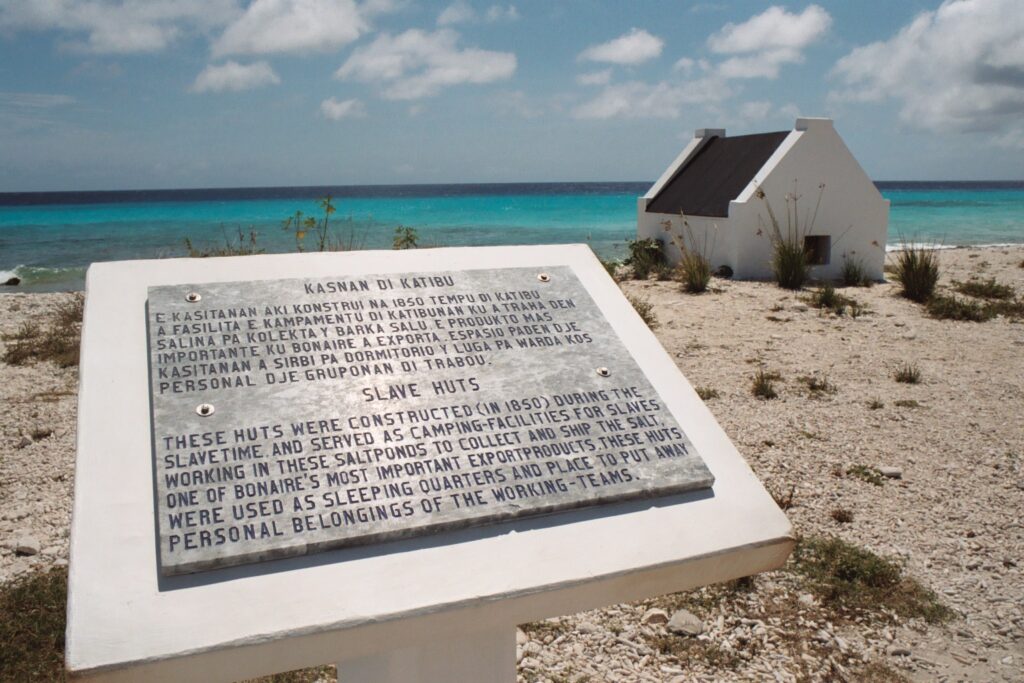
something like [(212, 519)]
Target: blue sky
[(112, 94)]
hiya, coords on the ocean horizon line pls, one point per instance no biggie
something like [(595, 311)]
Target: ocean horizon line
[(370, 190)]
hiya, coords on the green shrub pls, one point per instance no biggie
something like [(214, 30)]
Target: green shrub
[(405, 238), (790, 264), (853, 273), (845, 576), (985, 289), (695, 255), (790, 259), (763, 385), (818, 384), (32, 622), (695, 271), (953, 308), (645, 256), (917, 271), (59, 341), (239, 245), (907, 373), (869, 474), (707, 393), (645, 309)]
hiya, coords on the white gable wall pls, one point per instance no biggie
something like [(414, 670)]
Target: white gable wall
[(852, 211)]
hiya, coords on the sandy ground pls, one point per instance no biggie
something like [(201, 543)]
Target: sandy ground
[(955, 518)]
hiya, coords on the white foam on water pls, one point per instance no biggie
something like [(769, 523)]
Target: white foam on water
[(6, 275)]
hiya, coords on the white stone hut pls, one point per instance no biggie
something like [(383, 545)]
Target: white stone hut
[(714, 183)]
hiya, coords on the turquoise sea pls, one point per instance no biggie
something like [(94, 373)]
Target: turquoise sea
[(49, 239)]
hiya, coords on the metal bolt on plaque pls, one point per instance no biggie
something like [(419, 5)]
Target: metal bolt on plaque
[(544, 277), (603, 372), (193, 297), (205, 409)]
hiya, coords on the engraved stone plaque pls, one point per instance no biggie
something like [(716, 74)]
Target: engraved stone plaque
[(292, 416)]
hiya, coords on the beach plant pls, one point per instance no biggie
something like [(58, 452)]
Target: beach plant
[(827, 298), (818, 385), (907, 373), (906, 403), (59, 340), (707, 393), (645, 309), (783, 499), (853, 273), (763, 384), (645, 256), (871, 475), (841, 515), (300, 225), (32, 624), (405, 238), (695, 254), (954, 308), (240, 244), (791, 261), (875, 404), (917, 271), (985, 289), (843, 576)]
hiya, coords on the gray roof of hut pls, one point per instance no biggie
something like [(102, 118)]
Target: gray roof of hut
[(715, 175)]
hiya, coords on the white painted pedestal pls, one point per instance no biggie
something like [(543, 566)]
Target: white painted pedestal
[(432, 608)]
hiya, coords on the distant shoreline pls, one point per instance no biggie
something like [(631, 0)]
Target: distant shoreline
[(73, 197)]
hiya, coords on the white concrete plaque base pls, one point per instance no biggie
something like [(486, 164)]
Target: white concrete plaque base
[(480, 656), (440, 607)]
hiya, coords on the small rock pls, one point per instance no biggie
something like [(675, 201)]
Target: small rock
[(60, 563), (27, 545), (684, 623), (532, 648), (530, 663), (807, 600), (799, 308), (1007, 660), (13, 281), (891, 472), (654, 616), (24, 442), (521, 637), (898, 651)]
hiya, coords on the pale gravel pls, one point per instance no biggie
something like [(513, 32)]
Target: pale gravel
[(955, 518)]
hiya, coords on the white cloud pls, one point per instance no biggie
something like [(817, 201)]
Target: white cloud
[(461, 12), (111, 26), (274, 26), (773, 29), (634, 47), (958, 68), (637, 100), (762, 45), (234, 77), (417, 64), (516, 103), (33, 100), (595, 78), (336, 110), (497, 13)]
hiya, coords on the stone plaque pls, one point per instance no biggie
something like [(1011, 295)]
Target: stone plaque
[(292, 416)]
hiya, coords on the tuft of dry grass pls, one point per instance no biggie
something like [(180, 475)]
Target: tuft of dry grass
[(32, 622), (645, 309), (844, 576), (985, 289), (907, 373), (707, 393), (59, 341), (763, 384), (917, 271)]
